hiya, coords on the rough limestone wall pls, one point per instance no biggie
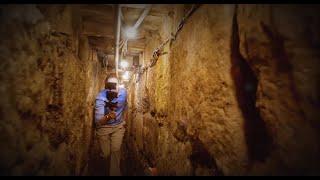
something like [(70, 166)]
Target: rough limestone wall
[(46, 90), (147, 112), (204, 103), (237, 94), (191, 124), (281, 45)]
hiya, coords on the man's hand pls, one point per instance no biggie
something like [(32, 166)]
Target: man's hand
[(106, 118), (112, 115)]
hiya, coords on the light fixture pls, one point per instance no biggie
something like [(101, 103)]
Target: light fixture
[(130, 32), (126, 76), (124, 64)]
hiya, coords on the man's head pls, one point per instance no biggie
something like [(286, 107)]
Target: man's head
[(112, 86), (111, 83)]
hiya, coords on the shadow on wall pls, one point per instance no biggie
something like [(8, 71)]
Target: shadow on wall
[(258, 139)]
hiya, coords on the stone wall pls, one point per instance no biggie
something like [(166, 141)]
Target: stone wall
[(237, 94), (281, 46), (49, 76)]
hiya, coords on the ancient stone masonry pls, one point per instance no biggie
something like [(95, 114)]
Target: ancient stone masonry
[(276, 45), (47, 93), (233, 93)]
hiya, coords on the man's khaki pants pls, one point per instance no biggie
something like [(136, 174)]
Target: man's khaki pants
[(110, 139)]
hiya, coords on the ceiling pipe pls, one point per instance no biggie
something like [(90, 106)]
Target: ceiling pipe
[(121, 15), (142, 16), (140, 19), (117, 36), (147, 8)]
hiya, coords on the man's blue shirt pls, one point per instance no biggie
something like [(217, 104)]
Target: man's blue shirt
[(101, 109)]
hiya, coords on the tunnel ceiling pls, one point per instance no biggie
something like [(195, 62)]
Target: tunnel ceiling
[(98, 23)]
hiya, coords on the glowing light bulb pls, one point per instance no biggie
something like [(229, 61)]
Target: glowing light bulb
[(131, 33), (126, 76), (124, 64)]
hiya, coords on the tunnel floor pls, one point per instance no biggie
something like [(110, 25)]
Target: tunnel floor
[(98, 165)]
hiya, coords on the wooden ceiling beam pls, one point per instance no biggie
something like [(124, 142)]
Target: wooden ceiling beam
[(91, 28)]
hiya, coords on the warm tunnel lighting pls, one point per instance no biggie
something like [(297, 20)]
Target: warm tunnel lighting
[(130, 33), (124, 64), (126, 76)]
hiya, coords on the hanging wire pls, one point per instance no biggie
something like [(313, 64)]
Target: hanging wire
[(159, 50)]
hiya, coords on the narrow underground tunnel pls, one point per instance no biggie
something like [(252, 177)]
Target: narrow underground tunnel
[(159, 90)]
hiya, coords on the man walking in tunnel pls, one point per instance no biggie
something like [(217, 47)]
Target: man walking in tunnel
[(109, 108)]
